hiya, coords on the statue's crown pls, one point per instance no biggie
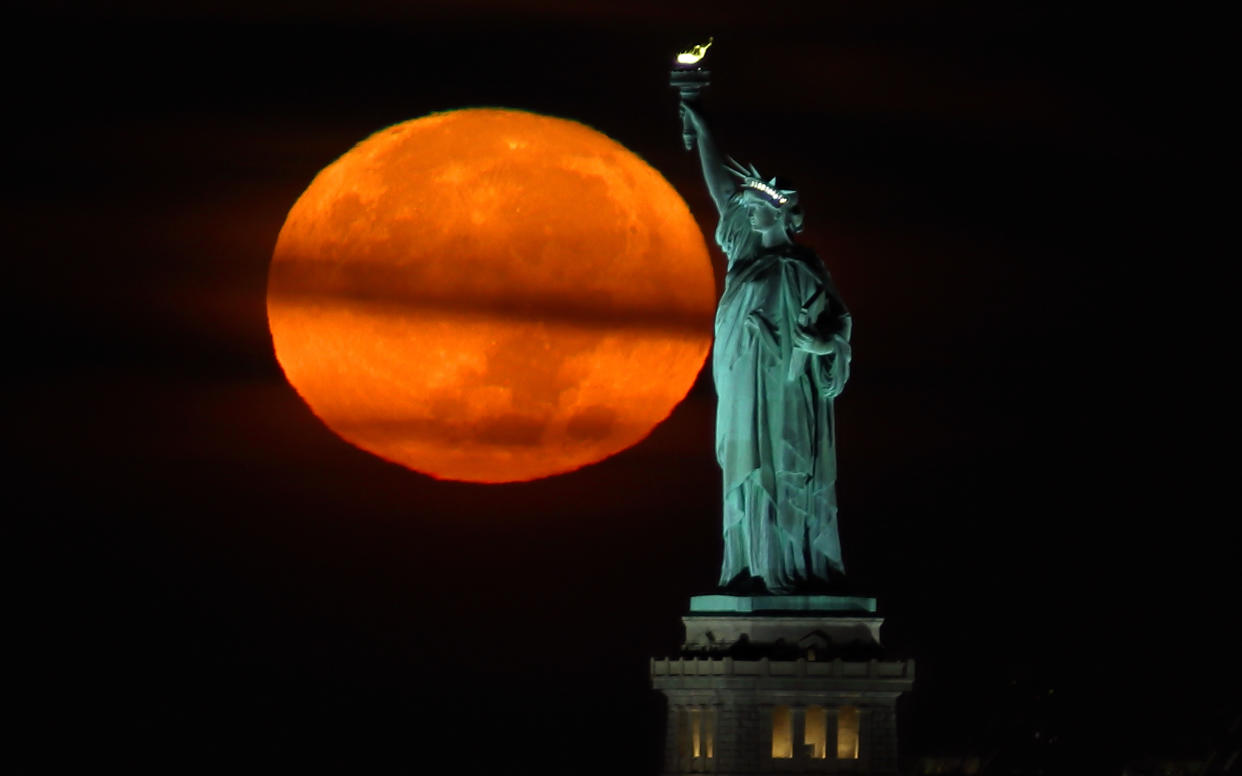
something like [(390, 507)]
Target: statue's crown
[(768, 190)]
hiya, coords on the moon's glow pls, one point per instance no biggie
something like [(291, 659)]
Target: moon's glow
[(490, 295)]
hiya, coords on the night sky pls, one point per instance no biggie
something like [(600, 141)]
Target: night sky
[(1029, 482)]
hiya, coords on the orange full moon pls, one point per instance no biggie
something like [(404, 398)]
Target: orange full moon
[(490, 295)]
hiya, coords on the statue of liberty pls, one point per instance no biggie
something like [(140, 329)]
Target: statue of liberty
[(781, 357)]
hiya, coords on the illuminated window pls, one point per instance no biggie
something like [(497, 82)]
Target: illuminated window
[(697, 732), (847, 733), (816, 735), (782, 732)]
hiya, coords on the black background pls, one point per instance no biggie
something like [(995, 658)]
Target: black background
[(1011, 200)]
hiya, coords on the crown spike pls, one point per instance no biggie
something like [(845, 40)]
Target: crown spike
[(734, 167)]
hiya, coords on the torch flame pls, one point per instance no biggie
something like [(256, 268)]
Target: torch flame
[(692, 56)]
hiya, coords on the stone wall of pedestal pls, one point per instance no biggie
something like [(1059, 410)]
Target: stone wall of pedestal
[(881, 722), (738, 696)]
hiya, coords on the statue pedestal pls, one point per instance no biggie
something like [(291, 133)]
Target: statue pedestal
[(781, 684), (811, 604)]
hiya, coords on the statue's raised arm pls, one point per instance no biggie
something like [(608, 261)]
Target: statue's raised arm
[(720, 184)]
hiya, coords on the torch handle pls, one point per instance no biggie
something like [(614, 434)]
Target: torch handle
[(689, 84)]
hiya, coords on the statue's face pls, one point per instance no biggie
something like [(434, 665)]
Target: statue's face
[(762, 215)]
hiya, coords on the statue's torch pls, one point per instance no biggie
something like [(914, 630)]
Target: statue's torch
[(689, 79)]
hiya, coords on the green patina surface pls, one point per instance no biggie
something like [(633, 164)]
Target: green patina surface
[(726, 604), (781, 357)]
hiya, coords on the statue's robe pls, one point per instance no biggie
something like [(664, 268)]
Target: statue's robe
[(775, 430)]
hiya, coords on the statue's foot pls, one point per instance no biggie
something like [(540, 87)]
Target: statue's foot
[(745, 584)]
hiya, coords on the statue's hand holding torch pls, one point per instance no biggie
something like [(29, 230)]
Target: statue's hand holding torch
[(689, 79), (689, 125)]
